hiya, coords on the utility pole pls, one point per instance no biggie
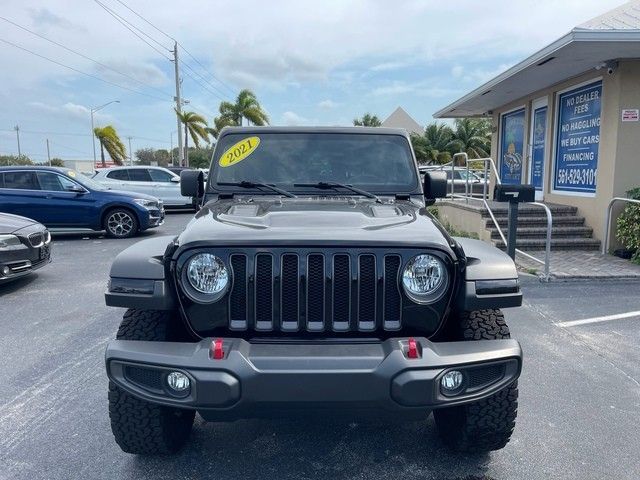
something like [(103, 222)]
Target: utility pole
[(178, 101), (48, 153), (171, 151), (130, 153), (17, 129)]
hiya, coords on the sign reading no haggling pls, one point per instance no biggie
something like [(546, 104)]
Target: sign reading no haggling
[(577, 139)]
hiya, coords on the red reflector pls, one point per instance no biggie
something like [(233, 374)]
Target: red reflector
[(412, 349), (217, 353)]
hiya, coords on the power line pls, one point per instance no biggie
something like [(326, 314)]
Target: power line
[(206, 69), (224, 95), (70, 148), (129, 26), (158, 29), (84, 56), (80, 71), (145, 20)]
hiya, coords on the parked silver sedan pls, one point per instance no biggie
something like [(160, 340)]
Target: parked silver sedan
[(156, 181)]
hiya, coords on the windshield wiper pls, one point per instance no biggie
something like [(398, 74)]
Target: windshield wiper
[(247, 184), (333, 185)]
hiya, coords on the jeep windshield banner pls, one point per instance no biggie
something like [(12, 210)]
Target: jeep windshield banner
[(512, 147), (379, 163), (578, 137)]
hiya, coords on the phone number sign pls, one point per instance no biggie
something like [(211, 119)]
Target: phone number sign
[(577, 139)]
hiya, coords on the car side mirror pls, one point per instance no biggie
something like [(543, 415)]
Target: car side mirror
[(175, 179), (191, 183), (435, 186), (76, 189)]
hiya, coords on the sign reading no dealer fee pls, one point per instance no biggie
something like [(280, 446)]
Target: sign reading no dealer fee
[(578, 138)]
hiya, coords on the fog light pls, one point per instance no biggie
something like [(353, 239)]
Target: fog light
[(178, 382), (451, 382), (6, 270)]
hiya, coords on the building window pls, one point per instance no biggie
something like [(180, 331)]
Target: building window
[(511, 146), (577, 140)]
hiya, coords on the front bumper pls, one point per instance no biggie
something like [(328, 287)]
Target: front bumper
[(24, 259), (265, 378)]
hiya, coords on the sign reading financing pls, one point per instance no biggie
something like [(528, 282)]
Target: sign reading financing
[(512, 147), (578, 138)]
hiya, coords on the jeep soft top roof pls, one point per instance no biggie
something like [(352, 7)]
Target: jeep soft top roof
[(352, 130)]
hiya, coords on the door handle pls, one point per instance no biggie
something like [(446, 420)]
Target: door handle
[(49, 196)]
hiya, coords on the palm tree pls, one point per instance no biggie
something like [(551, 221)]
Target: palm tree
[(194, 125), (367, 120), (246, 107), (110, 141), (473, 136), (432, 146)]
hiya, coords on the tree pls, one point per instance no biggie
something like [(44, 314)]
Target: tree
[(367, 120), (246, 107), (194, 126), (8, 160), (473, 136), (200, 157), (57, 162), (110, 141), (432, 146)]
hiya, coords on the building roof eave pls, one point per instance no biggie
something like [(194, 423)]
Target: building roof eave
[(574, 37)]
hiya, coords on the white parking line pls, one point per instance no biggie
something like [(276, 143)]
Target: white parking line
[(605, 318)]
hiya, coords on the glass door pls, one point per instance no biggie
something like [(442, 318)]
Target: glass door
[(537, 142)]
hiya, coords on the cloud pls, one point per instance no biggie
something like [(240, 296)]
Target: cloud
[(69, 111), (389, 66), (327, 104), (292, 118), (420, 89), (456, 71), (144, 72), (43, 17)]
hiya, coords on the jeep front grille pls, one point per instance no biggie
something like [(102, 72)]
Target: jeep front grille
[(315, 292)]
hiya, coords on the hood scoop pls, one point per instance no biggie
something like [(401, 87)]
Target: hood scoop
[(315, 215)]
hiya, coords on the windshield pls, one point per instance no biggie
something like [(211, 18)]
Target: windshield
[(83, 180), (373, 162)]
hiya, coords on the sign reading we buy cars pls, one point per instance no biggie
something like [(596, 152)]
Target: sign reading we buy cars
[(577, 139)]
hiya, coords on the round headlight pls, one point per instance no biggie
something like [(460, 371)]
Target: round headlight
[(424, 278), (207, 274)]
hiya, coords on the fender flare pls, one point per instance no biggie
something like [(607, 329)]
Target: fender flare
[(491, 278), (137, 278)]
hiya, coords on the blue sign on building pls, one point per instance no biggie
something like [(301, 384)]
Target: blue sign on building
[(577, 139), (537, 146), (512, 147)]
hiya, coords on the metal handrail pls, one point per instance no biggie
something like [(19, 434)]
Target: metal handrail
[(607, 223)]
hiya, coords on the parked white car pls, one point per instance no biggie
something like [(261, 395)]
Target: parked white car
[(156, 181)]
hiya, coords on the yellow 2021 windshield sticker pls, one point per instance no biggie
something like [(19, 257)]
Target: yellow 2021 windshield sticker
[(239, 151)]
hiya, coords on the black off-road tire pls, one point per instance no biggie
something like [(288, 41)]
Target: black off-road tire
[(484, 425), (138, 426)]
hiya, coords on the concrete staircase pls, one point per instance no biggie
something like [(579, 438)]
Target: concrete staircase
[(569, 230)]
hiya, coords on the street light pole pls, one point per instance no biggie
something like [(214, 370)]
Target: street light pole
[(17, 129), (93, 135), (130, 153)]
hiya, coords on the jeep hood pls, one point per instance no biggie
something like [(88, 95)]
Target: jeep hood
[(322, 221)]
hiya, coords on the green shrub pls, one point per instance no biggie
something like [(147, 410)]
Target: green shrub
[(628, 224)]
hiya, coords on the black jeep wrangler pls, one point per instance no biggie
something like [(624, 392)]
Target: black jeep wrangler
[(313, 279)]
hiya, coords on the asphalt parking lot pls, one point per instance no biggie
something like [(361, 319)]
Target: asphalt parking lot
[(578, 415)]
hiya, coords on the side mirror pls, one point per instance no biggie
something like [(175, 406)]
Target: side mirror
[(76, 189), (175, 179), (191, 183), (435, 186)]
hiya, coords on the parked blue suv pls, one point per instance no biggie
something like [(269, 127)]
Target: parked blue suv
[(64, 198)]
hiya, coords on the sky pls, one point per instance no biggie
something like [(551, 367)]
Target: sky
[(310, 63)]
